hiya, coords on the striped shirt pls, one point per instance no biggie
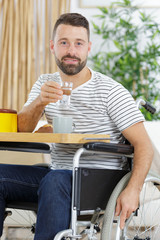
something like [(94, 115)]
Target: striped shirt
[(99, 106)]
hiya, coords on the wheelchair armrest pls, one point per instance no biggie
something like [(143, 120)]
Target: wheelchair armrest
[(25, 147), (109, 147)]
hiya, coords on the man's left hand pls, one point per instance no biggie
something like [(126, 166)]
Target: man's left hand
[(127, 203)]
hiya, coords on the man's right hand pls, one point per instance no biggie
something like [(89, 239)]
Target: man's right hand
[(31, 114), (50, 92)]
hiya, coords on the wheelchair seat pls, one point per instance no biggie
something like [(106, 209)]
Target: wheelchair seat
[(86, 198), (33, 147), (31, 206)]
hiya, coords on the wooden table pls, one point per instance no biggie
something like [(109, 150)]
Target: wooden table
[(53, 137)]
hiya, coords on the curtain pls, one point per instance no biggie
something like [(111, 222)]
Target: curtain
[(25, 31)]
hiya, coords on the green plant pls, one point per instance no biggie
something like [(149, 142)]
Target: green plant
[(133, 37)]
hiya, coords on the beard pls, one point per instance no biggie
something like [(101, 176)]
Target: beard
[(70, 69)]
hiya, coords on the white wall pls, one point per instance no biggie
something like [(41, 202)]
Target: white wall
[(90, 12), (153, 129)]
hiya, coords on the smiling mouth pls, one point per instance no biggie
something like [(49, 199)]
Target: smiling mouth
[(70, 60)]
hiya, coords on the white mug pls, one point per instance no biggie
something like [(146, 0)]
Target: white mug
[(62, 124)]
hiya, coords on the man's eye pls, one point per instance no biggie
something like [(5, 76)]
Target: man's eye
[(64, 43), (79, 43)]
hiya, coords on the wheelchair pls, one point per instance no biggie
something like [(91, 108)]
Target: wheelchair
[(94, 195)]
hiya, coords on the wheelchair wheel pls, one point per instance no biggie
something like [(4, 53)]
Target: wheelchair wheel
[(144, 224), (19, 224)]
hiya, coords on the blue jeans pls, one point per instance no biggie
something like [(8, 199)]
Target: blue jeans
[(50, 188)]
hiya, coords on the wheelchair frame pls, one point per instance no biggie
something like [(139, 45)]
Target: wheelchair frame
[(76, 165), (92, 147), (108, 218), (91, 226)]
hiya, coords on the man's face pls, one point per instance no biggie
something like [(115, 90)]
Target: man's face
[(71, 48)]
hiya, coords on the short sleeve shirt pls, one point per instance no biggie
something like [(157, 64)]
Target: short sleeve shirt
[(99, 106)]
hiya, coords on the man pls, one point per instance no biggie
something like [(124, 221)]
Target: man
[(98, 105)]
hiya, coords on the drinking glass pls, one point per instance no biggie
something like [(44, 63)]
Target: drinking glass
[(67, 89)]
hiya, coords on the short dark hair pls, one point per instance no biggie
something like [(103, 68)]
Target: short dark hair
[(73, 19)]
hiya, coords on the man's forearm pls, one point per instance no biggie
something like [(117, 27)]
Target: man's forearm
[(29, 116), (143, 154), (142, 161)]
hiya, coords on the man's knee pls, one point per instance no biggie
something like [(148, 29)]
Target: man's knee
[(57, 180)]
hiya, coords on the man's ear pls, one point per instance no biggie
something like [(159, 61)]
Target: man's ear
[(89, 47), (52, 46)]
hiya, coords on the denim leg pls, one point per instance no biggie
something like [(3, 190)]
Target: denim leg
[(18, 183), (54, 204)]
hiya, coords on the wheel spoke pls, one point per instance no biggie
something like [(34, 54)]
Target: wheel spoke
[(22, 220), (144, 224)]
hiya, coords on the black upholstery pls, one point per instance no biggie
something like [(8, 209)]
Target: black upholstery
[(25, 147), (23, 205), (26, 205), (109, 147), (94, 187)]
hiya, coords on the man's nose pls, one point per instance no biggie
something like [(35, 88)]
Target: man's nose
[(71, 49)]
